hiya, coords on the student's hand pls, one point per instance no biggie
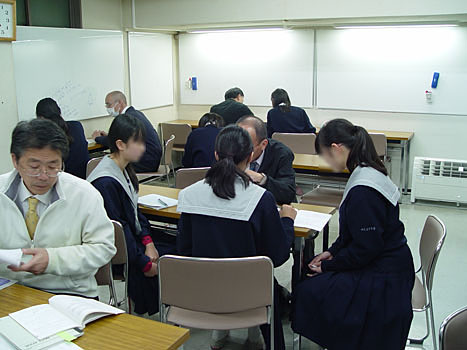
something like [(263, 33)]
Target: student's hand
[(287, 211), (95, 134), (152, 271), (254, 176), (103, 133), (37, 264), (152, 252), (318, 258), (315, 269)]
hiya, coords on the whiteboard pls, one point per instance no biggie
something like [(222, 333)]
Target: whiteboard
[(76, 67), (256, 61), (151, 70), (390, 69)]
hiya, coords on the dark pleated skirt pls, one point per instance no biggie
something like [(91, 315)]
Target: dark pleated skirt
[(355, 310)]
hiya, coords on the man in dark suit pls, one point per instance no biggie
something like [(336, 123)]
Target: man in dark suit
[(116, 104), (271, 166), (232, 109)]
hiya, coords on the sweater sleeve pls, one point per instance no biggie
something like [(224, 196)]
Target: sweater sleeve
[(365, 209), (96, 248), (308, 127), (274, 234), (102, 140), (112, 195)]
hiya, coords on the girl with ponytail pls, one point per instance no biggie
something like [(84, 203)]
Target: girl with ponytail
[(78, 157), (115, 178), (358, 294), (227, 216)]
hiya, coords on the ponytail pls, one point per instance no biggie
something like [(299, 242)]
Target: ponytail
[(356, 139), (233, 146), (280, 98)]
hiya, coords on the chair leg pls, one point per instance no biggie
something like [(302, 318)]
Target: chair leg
[(297, 341), (432, 323), (427, 331)]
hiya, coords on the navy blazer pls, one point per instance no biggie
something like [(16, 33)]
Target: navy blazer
[(231, 111), (294, 121), (199, 148), (78, 156), (152, 157)]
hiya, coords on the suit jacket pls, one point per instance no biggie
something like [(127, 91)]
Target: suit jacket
[(152, 157), (231, 111), (277, 165)]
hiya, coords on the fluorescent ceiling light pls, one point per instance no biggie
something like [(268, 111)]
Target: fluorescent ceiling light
[(382, 26), (232, 30)]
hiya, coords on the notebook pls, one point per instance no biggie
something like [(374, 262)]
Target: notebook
[(5, 282), (13, 336), (63, 312), (156, 201), (11, 256)]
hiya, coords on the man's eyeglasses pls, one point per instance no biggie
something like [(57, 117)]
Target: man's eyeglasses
[(38, 171)]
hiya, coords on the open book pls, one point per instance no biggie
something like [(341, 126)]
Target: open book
[(156, 201), (63, 312)]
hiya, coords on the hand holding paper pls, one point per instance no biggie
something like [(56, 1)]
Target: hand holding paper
[(11, 257), (37, 264)]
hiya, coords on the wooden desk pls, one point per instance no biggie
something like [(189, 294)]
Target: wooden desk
[(171, 212), (95, 147), (311, 162), (110, 333), (192, 123)]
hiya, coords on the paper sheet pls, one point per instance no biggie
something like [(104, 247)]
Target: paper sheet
[(11, 256), (156, 201), (311, 219)]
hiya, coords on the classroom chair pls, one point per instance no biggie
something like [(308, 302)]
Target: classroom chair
[(120, 260), (188, 176), (452, 333), (165, 168), (92, 163), (224, 293), (180, 131), (298, 143), (104, 278), (431, 241)]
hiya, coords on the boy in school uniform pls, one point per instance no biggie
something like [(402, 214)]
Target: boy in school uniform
[(232, 109), (57, 219), (286, 118), (199, 148), (116, 104), (227, 216), (271, 166)]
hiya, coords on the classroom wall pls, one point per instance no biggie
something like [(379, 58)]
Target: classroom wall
[(435, 135), (8, 111), (151, 13)]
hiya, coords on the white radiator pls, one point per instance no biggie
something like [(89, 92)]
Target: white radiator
[(438, 179)]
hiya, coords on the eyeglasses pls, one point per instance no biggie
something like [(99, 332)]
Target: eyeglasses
[(38, 171)]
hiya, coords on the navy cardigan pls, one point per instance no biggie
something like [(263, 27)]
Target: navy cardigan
[(199, 148), (294, 121), (78, 156)]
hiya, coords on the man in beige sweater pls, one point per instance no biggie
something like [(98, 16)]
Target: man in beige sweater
[(57, 219)]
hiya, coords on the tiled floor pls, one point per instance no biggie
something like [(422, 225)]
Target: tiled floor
[(450, 285)]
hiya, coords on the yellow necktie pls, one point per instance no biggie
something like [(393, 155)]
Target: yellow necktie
[(31, 216)]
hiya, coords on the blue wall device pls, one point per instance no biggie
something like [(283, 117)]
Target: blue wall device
[(434, 83)]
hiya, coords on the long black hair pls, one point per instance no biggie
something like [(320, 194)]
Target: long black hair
[(48, 108), (362, 150), (125, 127), (233, 146), (280, 98)]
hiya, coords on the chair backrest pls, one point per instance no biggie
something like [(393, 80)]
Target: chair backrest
[(92, 163), (452, 333), (121, 257), (381, 143), (298, 143), (188, 176), (169, 144), (431, 241), (181, 132), (104, 275), (216, 285)]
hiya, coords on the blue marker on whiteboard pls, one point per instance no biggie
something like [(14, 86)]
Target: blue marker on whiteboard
[(194, 83), (434, 83)]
